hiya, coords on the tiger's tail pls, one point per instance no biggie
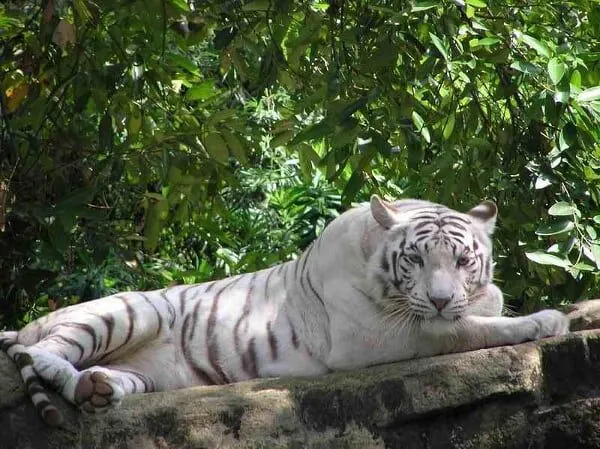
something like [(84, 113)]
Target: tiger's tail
[(35, 389)]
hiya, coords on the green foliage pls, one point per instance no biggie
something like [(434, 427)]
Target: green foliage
[(147, 142)]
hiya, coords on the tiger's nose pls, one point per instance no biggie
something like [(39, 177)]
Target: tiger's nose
[(439, 302)]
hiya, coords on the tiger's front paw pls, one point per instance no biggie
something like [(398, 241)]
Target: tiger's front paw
[(549, 323), (96, 392)]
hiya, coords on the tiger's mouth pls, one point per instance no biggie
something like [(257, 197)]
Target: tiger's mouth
[(440, 325), (427, 311)]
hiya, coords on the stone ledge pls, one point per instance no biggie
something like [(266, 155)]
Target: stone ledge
[(530, 395)]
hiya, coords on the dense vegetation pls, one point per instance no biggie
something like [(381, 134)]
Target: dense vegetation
[(144, 142)]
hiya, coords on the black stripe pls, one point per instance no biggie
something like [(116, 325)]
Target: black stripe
[(273, 345), (195, 317), (310, 284), (158, 315), (295, 341), (213, 345), (455, 233), (42, 405), (424, 232), (422, 224), (245, 313), (303, 259), (109, 322), (133, 384), (6, 344), (457, 218), (394, 267), (69, 341), (82, 327), (266, 294), (199, 372), (249, 359), (131, 315), (183, 298), (31, 382), (22, 359), (385, 265), (35, 388), (481, 265), (171, 307), (451, 223), (213, 310)]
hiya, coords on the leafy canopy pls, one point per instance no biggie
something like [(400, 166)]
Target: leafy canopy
[(150, 141)]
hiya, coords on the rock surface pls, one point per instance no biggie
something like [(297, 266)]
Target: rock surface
[(535, 395)]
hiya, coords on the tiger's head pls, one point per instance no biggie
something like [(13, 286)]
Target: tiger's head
[(430, 262)]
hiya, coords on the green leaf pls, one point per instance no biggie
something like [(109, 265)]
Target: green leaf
[(315, 131), (542, 182), (420, 126), (526, 67), (281, 138), (562, 96), (538, 46), (258, 5), (439, 45), (596, 219), (449, 127), (485, 42), (556, 70), (216, 147), (353, 186), (154, 196), (185, 63), (202, 91), (236, 147), (152, 227), (591, 231), (543, 258), (582, 266), (576, 78), (567, 137), (596, 253), (476, 3), (591, 94), (562, 208), (181, 4), (134, 121), (424, 6), (77, 198), (555, 228)]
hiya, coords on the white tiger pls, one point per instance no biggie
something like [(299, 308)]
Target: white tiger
[(384, 282)]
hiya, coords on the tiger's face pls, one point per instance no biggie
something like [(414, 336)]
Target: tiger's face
[(433, 261)]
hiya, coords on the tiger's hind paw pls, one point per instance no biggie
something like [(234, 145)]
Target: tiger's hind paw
[(96, 392)]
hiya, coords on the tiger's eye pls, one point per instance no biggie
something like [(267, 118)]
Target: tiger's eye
[(462, 261), (416, 259)]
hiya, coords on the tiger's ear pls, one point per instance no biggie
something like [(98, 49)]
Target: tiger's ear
[(383, 212), (485, 213)]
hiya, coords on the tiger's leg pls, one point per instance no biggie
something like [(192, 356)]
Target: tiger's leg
[(101, 387), (477, 332), (95, 389), (55, 347)]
